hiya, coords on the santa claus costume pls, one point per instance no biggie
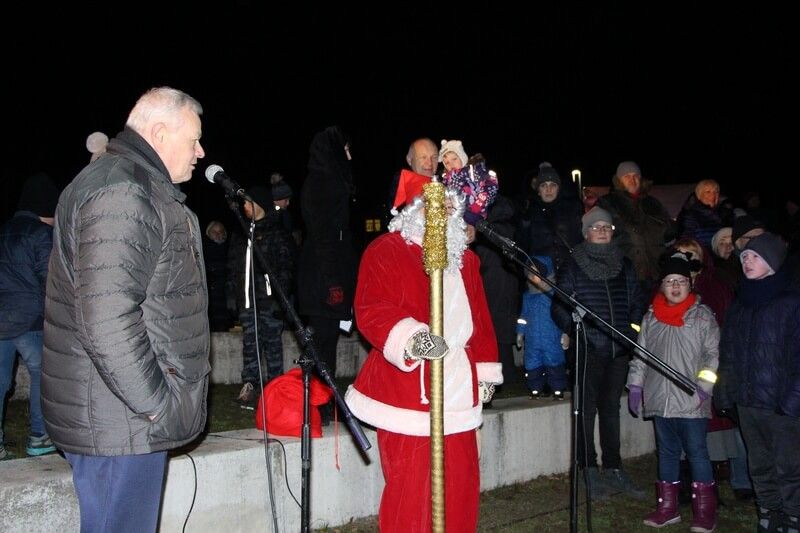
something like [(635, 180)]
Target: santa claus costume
[(391, 392)]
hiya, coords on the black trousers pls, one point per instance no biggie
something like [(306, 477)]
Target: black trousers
[(326, 337), (772, 457), (602, 380)]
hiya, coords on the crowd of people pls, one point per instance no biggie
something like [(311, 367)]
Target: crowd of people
[(110, 297)]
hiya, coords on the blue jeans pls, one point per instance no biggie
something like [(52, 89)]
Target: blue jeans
[(674, 435), (29, 346), (740, 478)]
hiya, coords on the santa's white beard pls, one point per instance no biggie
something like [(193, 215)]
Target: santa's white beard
[(410, 222)]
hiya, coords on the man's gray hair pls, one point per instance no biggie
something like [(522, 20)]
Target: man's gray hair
[(160, 104)]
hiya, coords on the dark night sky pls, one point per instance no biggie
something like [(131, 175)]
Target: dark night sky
[(688, 95)]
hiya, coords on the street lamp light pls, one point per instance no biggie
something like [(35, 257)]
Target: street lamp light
[(576, 177)]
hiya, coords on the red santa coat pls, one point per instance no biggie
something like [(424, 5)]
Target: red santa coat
[(391, 304)]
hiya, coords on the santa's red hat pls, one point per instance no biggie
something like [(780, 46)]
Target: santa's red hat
[(410, 186)]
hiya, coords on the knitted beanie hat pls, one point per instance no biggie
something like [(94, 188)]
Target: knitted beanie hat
[(628, 167), (677, 263), (595, 214), (547, 173), (280, 189), (769, 247)]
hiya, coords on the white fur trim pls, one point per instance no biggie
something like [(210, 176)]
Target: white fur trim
[(395, 347), (408, 421), (490, 372)]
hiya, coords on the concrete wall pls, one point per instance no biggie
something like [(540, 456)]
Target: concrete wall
[(521, 440), (226, 358)]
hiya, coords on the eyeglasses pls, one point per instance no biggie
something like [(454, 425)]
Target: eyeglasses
[(598, 228), (675, 281)]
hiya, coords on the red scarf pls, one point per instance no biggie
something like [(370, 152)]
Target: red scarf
[(671, 314)]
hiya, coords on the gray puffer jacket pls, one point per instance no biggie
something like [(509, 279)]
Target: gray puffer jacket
[(688, 349), (126, 332)]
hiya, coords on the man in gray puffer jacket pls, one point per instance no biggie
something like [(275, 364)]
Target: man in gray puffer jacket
[(126, 337)]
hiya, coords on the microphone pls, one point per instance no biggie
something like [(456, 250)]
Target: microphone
[(487, 229), (215, 174)]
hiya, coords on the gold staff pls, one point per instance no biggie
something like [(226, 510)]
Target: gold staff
[(434, 247)]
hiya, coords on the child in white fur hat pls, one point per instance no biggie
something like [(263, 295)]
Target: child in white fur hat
[(452, 155)]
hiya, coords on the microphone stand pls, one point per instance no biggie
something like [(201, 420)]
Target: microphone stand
[(307, 361), (512, 251)]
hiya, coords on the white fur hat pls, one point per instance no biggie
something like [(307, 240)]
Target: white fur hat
[(457, 148)]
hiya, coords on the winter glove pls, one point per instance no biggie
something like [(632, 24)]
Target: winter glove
[(485, 391), (564, 341), (702, 396), (634, 399), (520, 341), (424, 345), (335, 296)]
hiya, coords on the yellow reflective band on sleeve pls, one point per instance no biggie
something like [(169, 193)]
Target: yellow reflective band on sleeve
[(707, 375), (636, 327)]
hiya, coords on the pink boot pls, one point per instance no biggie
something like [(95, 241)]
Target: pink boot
[(667, 511), (704, 507)]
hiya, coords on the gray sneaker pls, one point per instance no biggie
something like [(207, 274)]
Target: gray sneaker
[(618, 481), (595, 485), (39, 446), (5, 454)]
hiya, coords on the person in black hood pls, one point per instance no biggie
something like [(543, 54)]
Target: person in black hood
[(327, 267)]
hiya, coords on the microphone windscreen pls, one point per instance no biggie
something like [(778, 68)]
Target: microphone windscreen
[(212, 171)]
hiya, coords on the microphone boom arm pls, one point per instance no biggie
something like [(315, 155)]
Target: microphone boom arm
[(512, 251)]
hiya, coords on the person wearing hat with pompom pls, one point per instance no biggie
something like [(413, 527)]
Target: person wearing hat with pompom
[(392, 389), (25, 243), (603, 279), (759, 378), (452, 155), (552, 224), (685, 334)]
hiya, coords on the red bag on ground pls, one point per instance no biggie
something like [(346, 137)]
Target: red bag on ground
[(284, 398)]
